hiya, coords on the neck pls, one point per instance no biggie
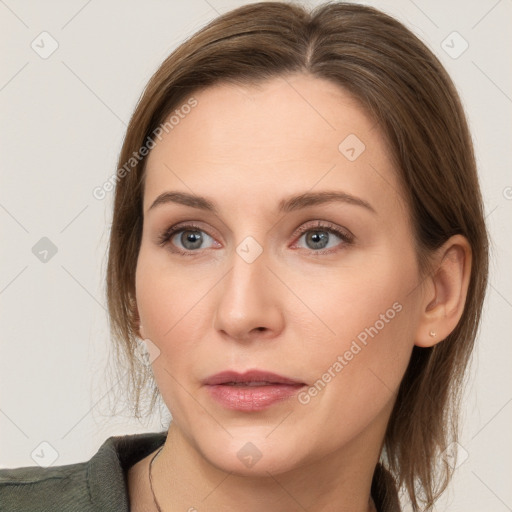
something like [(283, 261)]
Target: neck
[(184, 480)]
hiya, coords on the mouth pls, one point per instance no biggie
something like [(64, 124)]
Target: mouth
[(251, 391)]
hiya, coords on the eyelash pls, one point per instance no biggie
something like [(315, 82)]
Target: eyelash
[(345, 236)]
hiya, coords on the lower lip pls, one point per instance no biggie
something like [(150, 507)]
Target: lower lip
[(252, 398)]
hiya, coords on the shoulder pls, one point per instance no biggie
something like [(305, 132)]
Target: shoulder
[(98, 484), (40, 489)]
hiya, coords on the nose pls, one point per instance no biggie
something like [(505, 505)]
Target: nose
[(249, 301)]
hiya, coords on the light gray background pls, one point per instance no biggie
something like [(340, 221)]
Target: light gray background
[(62, 123)]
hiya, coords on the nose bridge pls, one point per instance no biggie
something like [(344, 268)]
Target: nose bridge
[(248, 259), (247, 300), (244, 287)]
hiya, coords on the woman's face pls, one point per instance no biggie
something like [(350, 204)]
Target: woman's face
[(278, 278)]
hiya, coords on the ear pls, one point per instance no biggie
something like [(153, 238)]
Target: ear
[(445, 291)]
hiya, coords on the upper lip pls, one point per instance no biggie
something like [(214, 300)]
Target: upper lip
[(249, 376)]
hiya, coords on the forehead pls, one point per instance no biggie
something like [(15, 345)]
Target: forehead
[(281, 135)]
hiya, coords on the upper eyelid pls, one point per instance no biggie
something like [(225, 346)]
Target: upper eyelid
[(322, 224), (186, 225)]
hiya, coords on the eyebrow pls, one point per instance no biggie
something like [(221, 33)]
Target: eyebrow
[(290, 204)]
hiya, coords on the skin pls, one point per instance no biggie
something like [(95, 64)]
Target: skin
[(293, 310)]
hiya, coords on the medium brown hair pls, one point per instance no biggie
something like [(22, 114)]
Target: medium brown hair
[(403, 86)]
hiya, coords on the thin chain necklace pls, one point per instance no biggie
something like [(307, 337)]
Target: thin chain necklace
[(151, 479), (374, 508)]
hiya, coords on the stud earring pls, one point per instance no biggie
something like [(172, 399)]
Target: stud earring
[(433, 334)]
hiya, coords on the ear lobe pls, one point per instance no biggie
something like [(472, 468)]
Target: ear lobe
[(445, 292)]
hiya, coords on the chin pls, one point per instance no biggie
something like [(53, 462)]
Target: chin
[(253, 454)]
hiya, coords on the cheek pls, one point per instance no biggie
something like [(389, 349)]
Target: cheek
[(359, 301), (166, 298), (370, 316), (356, 382), (174, 310), (169, 306)]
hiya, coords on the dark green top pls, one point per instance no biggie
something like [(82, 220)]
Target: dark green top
[(99, 485)]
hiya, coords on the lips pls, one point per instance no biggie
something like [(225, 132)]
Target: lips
[(252, 391), (249, 378)]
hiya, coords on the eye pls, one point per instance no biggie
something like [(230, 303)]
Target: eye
[(321, 237), (185, 239)]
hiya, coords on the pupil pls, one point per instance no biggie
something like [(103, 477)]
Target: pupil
[(318, 238), (191, 237)]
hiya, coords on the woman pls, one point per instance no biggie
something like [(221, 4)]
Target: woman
[(298, 238)]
